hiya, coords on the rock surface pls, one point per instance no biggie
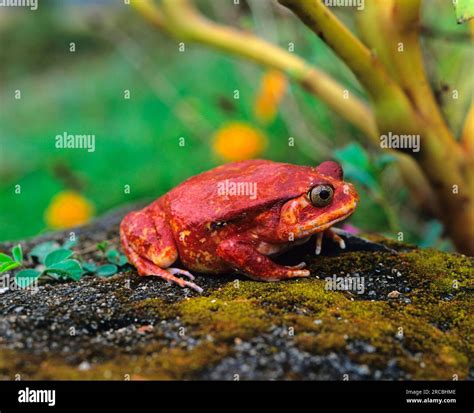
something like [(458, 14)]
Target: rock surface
[(129, 327)]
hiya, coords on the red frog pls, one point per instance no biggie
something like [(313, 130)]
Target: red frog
[(234, 217)]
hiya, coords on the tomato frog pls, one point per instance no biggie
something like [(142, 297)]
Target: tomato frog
[(236, 217)]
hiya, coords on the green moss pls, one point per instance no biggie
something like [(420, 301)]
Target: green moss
[(153, 363), (223, 319), (154, 307), (441, 272), (427, 338)]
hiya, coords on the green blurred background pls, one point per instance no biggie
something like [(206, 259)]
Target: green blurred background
[(190, 95)]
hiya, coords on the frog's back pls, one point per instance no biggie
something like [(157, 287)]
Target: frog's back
[(231, 190)]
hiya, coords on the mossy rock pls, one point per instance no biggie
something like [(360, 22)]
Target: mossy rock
[(129, 327)]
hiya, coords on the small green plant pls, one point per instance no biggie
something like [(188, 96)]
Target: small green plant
[(8, 263), (115, 259), (55, 262), (102, 246)]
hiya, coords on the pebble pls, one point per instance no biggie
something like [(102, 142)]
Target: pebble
[(394, 294), (84, 366)]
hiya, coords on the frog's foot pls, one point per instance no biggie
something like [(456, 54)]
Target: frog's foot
[(168, 275), (244, 257), (332, 235), (184, 283), (148, 269)]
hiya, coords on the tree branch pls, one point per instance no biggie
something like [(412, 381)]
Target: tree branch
[(349, 48), (392, 108), (467, 137), (392, 29), (180, 19), (150, 12)]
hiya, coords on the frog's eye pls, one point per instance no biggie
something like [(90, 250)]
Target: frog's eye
[(321, 195)]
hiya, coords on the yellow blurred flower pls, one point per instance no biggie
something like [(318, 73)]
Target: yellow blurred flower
[(272, 90), (68, 209), (237, 141)]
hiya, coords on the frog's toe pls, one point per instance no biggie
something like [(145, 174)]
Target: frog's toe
[(299, 266), (184, 283), (193, 286), (319, 243), (340, 241), (336, 238), (181, 272), (298, 273)]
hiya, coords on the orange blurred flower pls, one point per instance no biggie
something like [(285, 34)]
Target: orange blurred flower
[(237, 141), (68, 209), (272, 90)]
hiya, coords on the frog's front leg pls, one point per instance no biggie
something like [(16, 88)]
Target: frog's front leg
[(331, 235), (243, 256), (148, 243)]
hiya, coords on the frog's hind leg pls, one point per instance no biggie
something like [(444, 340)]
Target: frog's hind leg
[(147, 268), (149, 244)]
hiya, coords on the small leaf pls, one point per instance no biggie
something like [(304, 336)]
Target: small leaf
[(68, 268), (17, 253), (43, 249), (54, 276), (464, 10), (113, 256), (106, 270), (57, 256), (7, 266), (5, 257), (69, 244), (4, 265), (102, 246), (433, 234), (353, 154), (123, 260), (383, 160), (24, 278), (357, 166), (89, 266)]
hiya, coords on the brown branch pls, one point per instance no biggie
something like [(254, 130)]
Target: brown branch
[(348, 47), (181, 20), (467, 137)]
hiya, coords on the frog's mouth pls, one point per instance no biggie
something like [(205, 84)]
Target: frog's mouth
[(341, 214)]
